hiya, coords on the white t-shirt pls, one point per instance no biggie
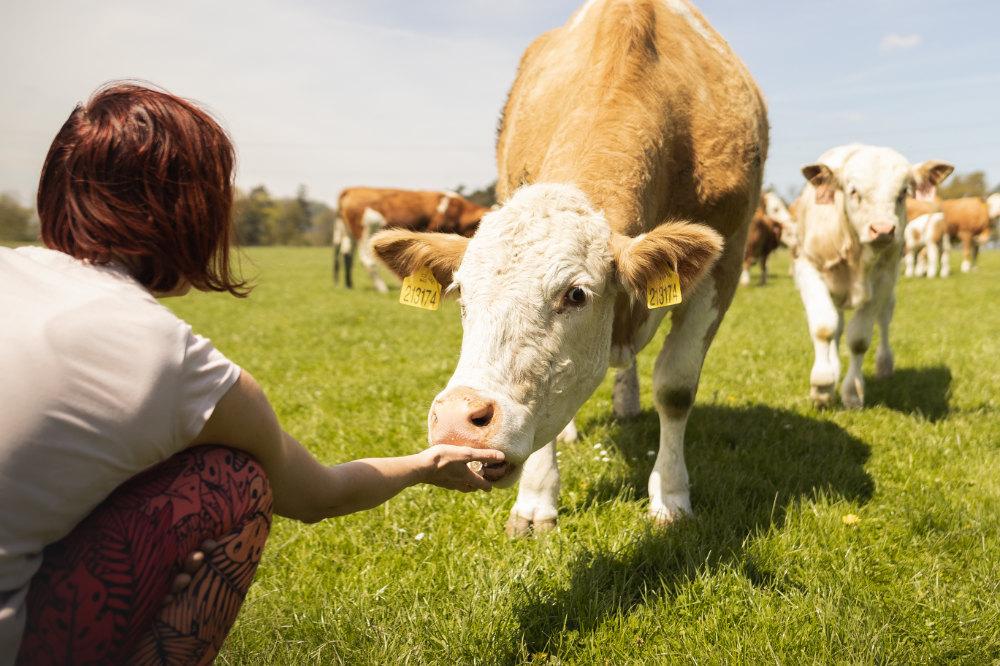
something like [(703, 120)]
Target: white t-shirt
[(98, 382)]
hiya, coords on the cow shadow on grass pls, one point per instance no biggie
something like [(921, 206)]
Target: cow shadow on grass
[(747, 465), (916, 391)]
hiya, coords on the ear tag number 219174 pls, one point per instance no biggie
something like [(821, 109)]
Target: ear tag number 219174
[(421, 290), (664, 291)]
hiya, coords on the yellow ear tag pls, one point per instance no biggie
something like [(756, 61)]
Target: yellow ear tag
[(664, 291), (421, 290)]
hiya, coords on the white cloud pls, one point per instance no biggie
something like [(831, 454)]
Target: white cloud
[(895, 42)]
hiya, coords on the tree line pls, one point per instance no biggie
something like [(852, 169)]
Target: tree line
[(262, 219)]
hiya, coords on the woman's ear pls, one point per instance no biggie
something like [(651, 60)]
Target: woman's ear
[(405, 251), (690, 249)]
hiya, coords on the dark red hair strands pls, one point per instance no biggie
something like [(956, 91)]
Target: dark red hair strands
[(144, 177)]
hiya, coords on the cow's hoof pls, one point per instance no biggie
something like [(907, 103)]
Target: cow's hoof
[(823, 396), (852, 402), (519, 526), (883, 367), (670, 509)]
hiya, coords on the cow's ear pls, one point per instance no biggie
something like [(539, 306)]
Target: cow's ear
[(927, 176), (406, 251), (690, 249), (821, 177)]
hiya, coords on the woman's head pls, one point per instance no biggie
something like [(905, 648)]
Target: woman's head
[(146, 178)]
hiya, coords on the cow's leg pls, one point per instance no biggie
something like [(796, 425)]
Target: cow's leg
[(883, 355), (825, 323), (908, 262), (373, 222), (763, 270), (625, 392), (933, 259), (859, 339), (745, 275), (537, 501), (339, 234), (922, 262), (945, 256), (967, 242), (675, 385)]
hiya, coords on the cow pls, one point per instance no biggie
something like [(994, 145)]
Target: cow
[(770, 225), (968, 220), (763, 238), (630, 154), (851, 229), (926, 240), (363, 211)]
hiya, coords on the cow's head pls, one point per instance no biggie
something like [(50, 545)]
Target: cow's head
[(871, 184), (537, 286), (776, 211)]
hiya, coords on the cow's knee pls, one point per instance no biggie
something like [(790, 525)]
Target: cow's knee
[(674, 401)]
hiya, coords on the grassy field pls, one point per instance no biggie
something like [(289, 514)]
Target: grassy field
[(767, 571)]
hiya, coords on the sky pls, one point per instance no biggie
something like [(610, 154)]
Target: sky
[(407, 94)]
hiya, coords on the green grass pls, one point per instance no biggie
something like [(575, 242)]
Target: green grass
[(767, 571)]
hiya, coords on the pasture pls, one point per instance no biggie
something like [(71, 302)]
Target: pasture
[(819, 537)]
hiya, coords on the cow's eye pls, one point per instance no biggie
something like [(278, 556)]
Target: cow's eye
[(902, 196), (575, 297)]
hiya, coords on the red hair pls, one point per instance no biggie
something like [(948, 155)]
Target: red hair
[(146, 178)]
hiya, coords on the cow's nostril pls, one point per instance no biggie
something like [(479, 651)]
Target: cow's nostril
[(482, 416)]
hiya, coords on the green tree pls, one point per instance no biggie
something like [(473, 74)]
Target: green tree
[(972, 184), (486, 196), (250, 213), (15, 220)]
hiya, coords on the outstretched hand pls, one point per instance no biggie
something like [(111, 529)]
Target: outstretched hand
[(448, 467)]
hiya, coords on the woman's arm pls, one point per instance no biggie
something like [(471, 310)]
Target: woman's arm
[(309, 491)]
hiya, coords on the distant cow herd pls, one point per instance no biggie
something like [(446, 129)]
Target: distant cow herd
[(631, 154)]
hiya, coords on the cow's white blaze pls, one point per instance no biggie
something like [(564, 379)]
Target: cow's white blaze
[(523, 346), (875, 185)]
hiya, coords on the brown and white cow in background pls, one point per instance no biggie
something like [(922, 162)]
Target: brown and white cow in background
[(363, 211), (624, 128), (968, 220), (926, 240), (851, 223), (770, 225)]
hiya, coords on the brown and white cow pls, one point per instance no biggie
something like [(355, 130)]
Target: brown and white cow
[(851, 225), (968, 220), (770, 225), (632, 144), (363, 211), (926, 240)]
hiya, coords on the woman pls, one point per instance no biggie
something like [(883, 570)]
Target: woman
[(138, 465)]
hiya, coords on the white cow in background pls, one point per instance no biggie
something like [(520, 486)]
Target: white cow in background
[(928, 247), (851, 229)]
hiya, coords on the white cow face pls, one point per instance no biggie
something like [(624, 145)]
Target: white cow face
[(537, 286), (873, 183)]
